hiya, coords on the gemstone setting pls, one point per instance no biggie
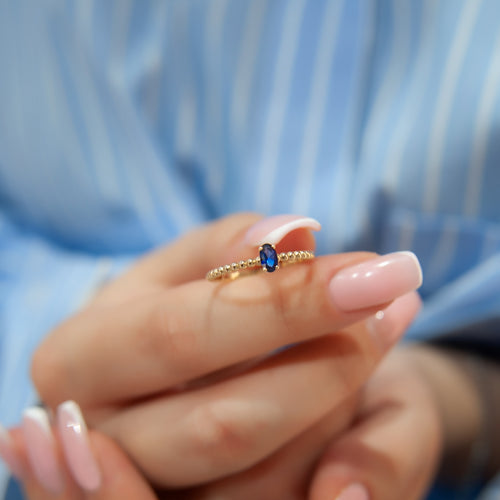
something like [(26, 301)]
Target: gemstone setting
[(268, 257)]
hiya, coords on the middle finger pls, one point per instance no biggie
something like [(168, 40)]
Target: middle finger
[(221, 429), (153, 343)]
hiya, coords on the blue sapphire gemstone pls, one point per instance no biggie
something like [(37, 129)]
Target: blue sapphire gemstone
[(268, 257)]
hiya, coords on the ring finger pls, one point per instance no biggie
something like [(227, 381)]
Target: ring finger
[(227, 427)]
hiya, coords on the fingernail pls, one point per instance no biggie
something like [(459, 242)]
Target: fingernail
[(273, 229), (354, 492), (376, 281), (390, 324), (40, 445), (76, 446), (9, 455)]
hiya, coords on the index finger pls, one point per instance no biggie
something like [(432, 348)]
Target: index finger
[(152, 344), (234, 237)]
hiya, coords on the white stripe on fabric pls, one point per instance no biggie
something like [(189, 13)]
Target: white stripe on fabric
[(120, 29), (245, 71), (395, 74), (17, 94), (214, 36), (72, 148), (273, 127), (316, 114), (156, 51), (407, 233), (185, 129), (150, 184), (98, 143), (400, 134), (339, 223), (108, 176), (443, 254), (444, 102), (482, 133), (83, 14)]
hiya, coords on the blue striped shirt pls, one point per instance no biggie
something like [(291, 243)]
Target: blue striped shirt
[(124, 123)]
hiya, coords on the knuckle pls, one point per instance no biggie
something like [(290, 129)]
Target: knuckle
[(352, 365), (292, 299), (285, 306), (222, 434), (172, 335)]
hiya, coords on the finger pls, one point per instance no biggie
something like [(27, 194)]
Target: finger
[(14, 456), (286, 473), (391, 452), (228, 427), (40, 465), (226, 240), (43, 453), (156, 342), (121, 480), (111, 477)]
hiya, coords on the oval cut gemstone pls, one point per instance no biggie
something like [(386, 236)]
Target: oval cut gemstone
[(268, 257)]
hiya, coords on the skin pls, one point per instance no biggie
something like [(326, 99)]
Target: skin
[(392, 445), (239, 433), (130, 356)]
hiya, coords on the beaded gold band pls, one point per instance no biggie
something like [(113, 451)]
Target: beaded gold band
[(268, 260)]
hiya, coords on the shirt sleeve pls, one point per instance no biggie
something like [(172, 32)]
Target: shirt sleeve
[(492, 491), (466, 311), (460, 260), (41, 283)]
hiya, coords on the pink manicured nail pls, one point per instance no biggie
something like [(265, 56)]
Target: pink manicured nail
[(41, 449), (9, 455), (376, 281), (390, 324), (76, 446), (273, 229), (354, 492)]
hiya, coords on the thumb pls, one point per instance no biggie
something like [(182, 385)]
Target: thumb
[(392, 449)]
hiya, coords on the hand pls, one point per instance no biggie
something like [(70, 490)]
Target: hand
[(403, 428), (391, 448), (120, 479), (162, 326)]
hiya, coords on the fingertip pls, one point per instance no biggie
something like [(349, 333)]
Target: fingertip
[(41, 449), (275, 229), (10, 454), (355, 491), (76, 446), (120, 479), (390, 324)]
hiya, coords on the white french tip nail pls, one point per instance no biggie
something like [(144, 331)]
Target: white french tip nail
[(41, 449), (279, 233), (72, 409), (76, 446), (40, 417), (273, 229)]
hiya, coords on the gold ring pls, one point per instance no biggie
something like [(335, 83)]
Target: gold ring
[(268, 260)]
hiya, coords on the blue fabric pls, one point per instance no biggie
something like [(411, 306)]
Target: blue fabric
[(492, 492), (13, 491), (124, 124)]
